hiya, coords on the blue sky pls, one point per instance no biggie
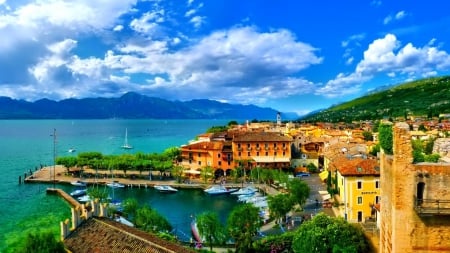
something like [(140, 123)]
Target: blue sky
[(293, 56)]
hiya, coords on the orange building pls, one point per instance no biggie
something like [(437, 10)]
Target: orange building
[(262, 149)]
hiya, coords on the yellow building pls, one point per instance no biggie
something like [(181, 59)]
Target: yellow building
[(358, 184)]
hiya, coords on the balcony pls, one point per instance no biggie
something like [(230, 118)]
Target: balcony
[(430, 207)]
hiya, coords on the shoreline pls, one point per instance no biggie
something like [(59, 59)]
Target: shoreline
[(58, 175)]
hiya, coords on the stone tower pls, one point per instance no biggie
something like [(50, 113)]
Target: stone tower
[(415, 200)]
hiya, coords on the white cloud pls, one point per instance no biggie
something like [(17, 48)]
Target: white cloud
[(118, 28), (197, 21), (190, 12), (398, 16), (149, 22), (387, 56)]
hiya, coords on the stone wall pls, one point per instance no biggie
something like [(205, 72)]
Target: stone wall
[(401, 227)]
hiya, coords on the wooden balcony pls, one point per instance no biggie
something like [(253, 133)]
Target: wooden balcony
[(431, 207)]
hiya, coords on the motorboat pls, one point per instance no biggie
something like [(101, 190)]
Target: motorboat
[(115, 184), (71, 150), (84, 199), (79, 183), (219, 189), (78, 192), (245, 197), (245, 191), (124, 221), (165, 188)]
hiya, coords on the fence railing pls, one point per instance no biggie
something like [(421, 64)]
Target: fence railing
[(432, 206)]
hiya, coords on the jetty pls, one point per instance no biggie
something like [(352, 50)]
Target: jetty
[(73, 202)]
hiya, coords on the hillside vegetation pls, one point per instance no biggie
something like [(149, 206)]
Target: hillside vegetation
[(427, 97)]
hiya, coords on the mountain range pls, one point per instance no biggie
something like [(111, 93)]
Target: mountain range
[(428, 97), (133, 106)]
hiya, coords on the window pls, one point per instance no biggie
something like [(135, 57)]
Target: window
[(257, 145), (199, 162), (199, 155), (377, 184), (239, 145), (220, 163), (360, 200), (267, 153), (284, 153), (377, 199), (274, 145), (218, 155), (359, 184), (248, 145), (284, 144), (257, 153), (239, 154), (248, 153), (275, 153)]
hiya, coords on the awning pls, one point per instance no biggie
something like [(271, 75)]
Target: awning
[(326, 197), (323, 175), (270, 159), (196, 172)]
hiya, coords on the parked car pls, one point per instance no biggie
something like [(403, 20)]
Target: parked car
[(303, 174)]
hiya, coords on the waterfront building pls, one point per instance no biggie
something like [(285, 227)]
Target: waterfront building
[(262, 149)]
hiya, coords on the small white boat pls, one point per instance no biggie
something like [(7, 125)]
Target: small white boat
[(245, 191), (78, 192), (78, 183), (124, 221), (84, 199), (165, 188), (71, 150), (219, 189), (115, 184)]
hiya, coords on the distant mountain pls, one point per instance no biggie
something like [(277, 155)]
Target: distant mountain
[(131, 106), (426, 97)]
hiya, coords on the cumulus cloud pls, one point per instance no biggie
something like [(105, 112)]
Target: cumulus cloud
[(387, 56)]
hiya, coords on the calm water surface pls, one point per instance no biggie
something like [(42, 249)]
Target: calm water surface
[(25, 144)]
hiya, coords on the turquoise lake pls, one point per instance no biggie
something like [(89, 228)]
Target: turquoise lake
[(26, 144)]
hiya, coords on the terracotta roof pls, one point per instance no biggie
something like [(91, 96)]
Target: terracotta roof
[(260, 136), (358, 167), (206, 145), (105, 235)]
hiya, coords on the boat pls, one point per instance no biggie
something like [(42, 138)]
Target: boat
[(78, 192), (84, 199), (165, 188), (115, 184), (71, 150), (124, 221), (219, 189), (125, 144), (245, 191), (78, 183), (195, 232)]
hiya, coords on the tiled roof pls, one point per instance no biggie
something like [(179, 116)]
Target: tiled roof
[(206, 145), (261, 137), (105, 235), (359, 167)]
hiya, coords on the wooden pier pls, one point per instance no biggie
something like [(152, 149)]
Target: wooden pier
[(73, 202)]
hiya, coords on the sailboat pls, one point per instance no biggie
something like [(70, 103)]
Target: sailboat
[(125, 144)]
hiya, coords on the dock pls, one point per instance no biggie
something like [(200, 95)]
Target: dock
[(73, 202)]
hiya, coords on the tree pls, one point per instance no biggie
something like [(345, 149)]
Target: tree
[(177, 171), (150, 220), (385, 137), (42, 242), (242, 225), (130, 207), (206, 173), (299, 191), (210, 228), (280, 205), (328, 234)]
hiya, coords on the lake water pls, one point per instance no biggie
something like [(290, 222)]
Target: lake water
[(26, 144)]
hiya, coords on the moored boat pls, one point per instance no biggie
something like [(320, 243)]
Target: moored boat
[(165, 188), (84, 199), (219, 189), (78, 192), (78, 183), (115, 184), (245, 191)]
